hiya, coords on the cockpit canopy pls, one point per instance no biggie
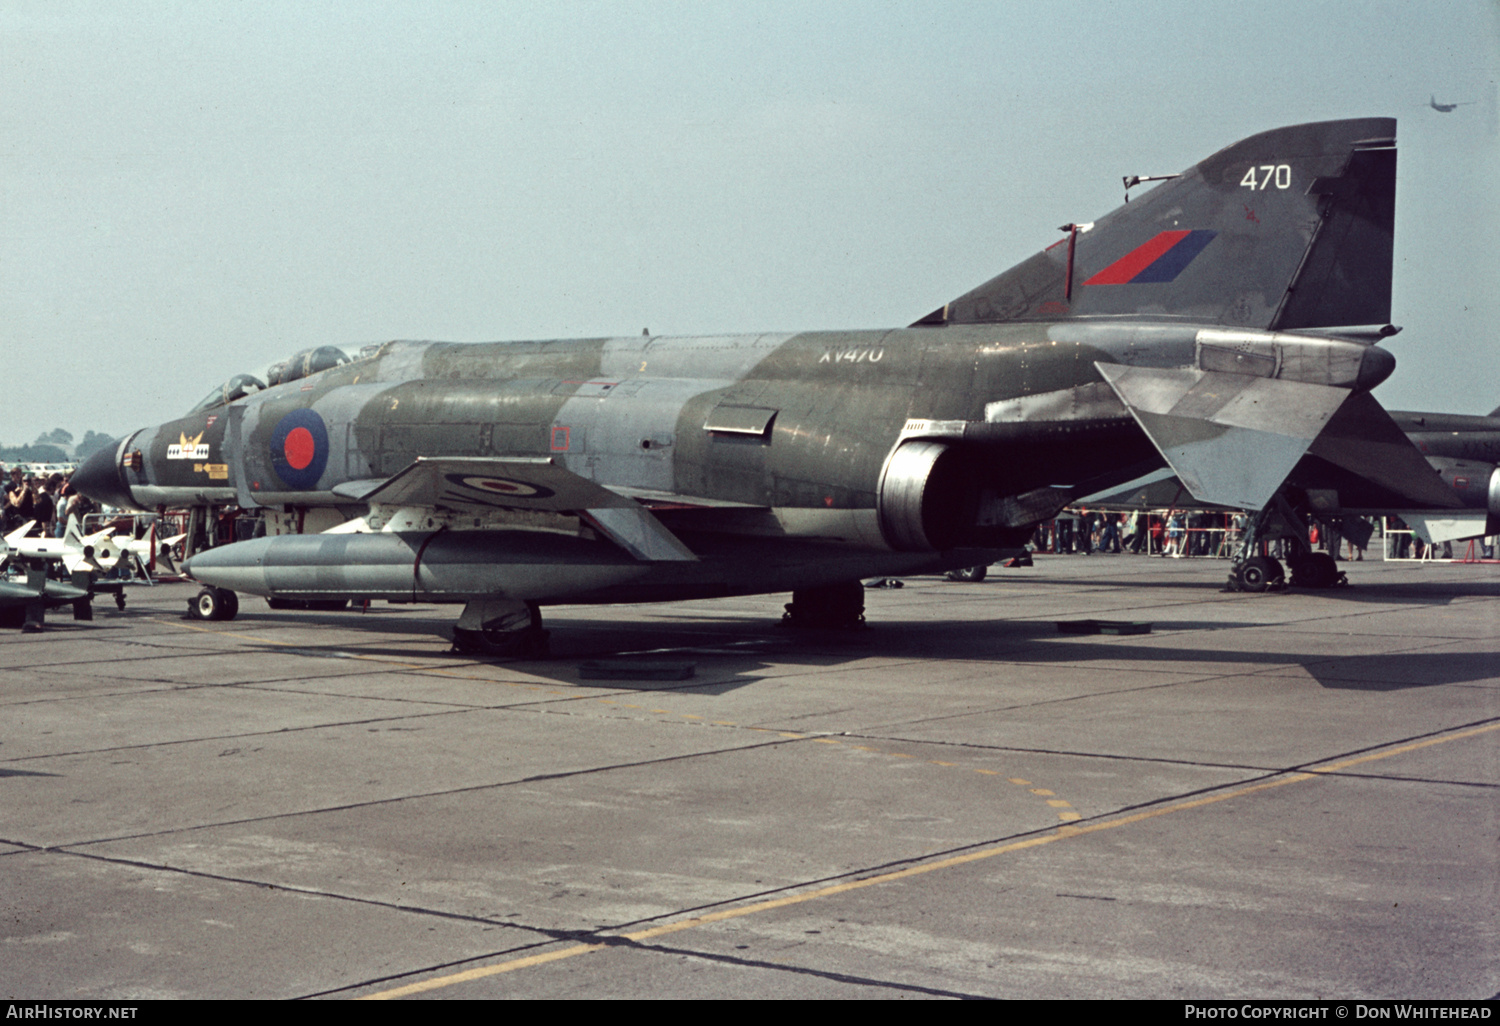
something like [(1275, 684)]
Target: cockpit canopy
[(236, 387), (303, 364), (309, 361)]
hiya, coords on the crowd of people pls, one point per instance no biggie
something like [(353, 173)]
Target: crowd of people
[(1173, 533), (47, 502)]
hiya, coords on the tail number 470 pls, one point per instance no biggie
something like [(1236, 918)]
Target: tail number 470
[(1281, 174)]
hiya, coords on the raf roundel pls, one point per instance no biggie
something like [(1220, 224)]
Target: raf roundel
[(299, 449), (503, 487)]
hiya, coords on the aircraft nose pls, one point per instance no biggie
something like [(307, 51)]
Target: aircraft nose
[(102, 479)]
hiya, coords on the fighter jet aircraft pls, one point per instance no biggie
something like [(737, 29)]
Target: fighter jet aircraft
[(1446, 108), (1223, 323), (1465, 451)]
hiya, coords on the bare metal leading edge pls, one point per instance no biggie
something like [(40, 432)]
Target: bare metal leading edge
[(1223, 323)]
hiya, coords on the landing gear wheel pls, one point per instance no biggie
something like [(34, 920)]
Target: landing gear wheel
[(1259, 573), (214, 604), (831, 606), (968, 573), (519, 638), (1317, 570), (120, 599), (83, 609)]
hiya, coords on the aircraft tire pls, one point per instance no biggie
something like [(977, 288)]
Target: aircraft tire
[(1259, 573), (527, 642), (83, 609), (974, 574), (214, 604), (1316, 570), (833, 606)]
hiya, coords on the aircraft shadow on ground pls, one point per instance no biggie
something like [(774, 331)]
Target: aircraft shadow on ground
[(1433, 593), (728, 653), (749, 650), (1426, 592)]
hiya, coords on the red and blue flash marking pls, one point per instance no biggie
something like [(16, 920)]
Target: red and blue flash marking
[(1161, 259)]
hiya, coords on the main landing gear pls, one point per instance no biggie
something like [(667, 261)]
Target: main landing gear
[(1316, 570), (829, 606), (500, 627), (1310, 568), (973, 574), (1258, 573)]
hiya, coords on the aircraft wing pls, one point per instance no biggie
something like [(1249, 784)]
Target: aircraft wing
[(527, 485)]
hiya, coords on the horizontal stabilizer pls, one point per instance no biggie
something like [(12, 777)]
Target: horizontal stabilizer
[(1363, 441), (1231, 438)]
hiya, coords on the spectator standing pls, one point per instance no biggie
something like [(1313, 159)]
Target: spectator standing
[(18, 500)]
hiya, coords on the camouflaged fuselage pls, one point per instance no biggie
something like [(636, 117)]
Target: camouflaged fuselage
[(795, 421)]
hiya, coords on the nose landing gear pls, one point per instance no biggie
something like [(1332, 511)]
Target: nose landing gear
[(213, 604)]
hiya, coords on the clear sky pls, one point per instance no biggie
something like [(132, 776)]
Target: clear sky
[(189, 191)]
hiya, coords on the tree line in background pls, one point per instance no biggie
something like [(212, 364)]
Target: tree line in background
[(56, 446)]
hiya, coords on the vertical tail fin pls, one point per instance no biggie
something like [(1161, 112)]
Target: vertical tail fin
[(1291, 228)]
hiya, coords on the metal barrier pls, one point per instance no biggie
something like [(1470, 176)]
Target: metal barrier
[(1213, 537)]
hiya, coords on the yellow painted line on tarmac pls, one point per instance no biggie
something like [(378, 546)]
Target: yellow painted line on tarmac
[(1060, 834)]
